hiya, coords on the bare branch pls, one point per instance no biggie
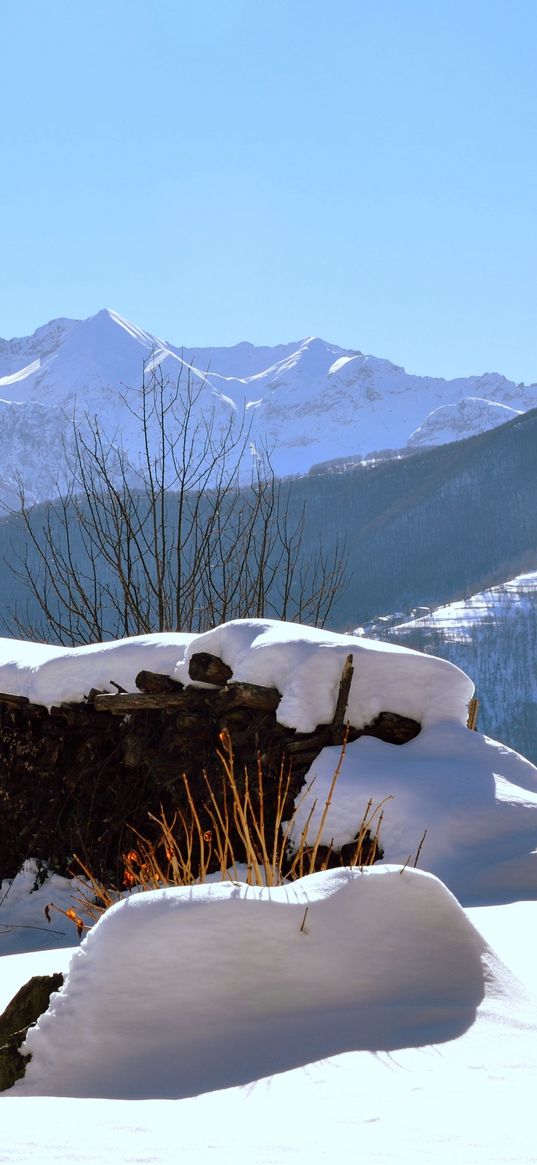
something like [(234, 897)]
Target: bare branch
[(174, 540)]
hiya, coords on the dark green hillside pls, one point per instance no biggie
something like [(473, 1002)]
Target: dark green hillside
[(426, 529), (499, 652), (434, 526)]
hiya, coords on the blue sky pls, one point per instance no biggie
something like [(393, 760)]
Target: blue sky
[(220, 170)]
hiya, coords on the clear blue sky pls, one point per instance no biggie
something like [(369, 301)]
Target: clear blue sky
[(220, 170)]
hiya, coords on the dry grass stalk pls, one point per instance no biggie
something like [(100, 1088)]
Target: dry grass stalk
[(473, 711), (187, 851)]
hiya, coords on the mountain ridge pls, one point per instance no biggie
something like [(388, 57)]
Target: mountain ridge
[(309, 401)]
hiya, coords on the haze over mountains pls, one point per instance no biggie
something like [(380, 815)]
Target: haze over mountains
[(310, 401)]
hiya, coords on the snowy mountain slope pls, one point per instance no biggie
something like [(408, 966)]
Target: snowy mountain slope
[(433, 526), (493, 635), (309, 401), (517, 595), (26, 428), (467, 417), (19, 354)]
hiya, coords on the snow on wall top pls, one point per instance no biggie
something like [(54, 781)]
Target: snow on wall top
[(303, 663), (48, 675)]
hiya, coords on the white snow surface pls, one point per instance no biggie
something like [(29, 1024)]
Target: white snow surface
[(242, 979), (465, 418), (303, 663), (48, 675), (24, 925), (473, 800), (385, 1022), (352, 1011), (484, 606)]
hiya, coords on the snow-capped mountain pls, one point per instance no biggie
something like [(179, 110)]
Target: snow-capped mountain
[(466, 418), (308, 401)]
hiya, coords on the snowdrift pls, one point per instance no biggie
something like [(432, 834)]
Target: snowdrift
[(186, 990)]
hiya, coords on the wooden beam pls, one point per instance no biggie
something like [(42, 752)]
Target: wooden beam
[(154, 682), (242, 695), (14, 701), (473, 711), (338, 722), (137, 702)]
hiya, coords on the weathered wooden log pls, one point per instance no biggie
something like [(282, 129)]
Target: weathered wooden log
[(14, 701), (93, 692), (473, 712), (337, 731), (209, 669), (242, 695), (153, 682), (392, 728), (307, 744), (137, 702)]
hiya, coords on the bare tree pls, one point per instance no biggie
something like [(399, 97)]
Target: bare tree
[(173, 540)]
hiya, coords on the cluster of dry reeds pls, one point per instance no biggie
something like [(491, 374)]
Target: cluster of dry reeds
[(239, 843)]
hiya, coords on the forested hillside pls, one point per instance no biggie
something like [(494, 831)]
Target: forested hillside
[(434, 527), (493, 637), (427, 529)]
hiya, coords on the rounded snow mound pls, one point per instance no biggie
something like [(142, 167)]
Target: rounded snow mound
[(305, 664), (466, 803), (187, 990)]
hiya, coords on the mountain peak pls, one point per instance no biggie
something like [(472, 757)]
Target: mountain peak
[(314, 400), (107, 318)]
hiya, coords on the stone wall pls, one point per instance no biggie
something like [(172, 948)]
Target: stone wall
[(77, 779)]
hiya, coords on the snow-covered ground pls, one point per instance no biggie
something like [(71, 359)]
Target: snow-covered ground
[(385, 1024), (487, 606), (356, 1013)]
